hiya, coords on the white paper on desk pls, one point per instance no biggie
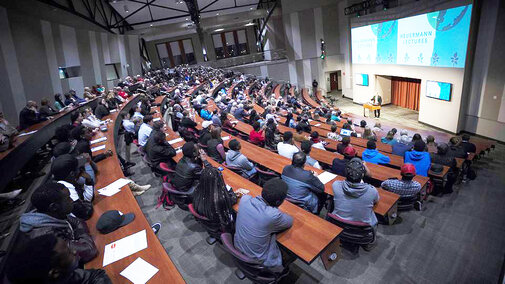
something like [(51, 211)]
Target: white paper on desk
[(325, 177), (139, 272), (98, 148), (114, 110), (318, 124), (119, 183), (178, 151), (27, 133), (224, 138), (175, 141), (124, 247), (98, 140), (235, 121), (157, 119), (108, 191)]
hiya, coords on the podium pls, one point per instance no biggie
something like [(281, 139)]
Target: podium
[(371, 107)]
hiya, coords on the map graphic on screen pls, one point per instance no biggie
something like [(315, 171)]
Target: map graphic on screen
[(433, 39), (438, 90)]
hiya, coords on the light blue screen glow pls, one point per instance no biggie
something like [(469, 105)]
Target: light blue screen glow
[(438, 90), (433, 39), (361, 79)]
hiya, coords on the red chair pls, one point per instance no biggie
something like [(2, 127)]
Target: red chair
[(214, 229)]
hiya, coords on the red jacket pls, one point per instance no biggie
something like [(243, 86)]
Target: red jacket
[(123, 94), (256, 137)]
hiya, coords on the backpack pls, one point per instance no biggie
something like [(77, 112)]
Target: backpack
[(164, 198)]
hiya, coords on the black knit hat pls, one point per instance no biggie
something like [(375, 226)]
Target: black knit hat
[(355, 170)]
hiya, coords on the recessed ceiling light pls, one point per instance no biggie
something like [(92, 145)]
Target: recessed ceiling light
[(151, 25), (218, 30), (186, 19), (217, 14), (250, 8)]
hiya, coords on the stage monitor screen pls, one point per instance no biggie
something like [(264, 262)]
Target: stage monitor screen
[(361, 79), (438, 90), (436, 39)]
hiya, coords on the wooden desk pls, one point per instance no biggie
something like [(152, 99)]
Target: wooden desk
[(320, 243), (308, 100), (124, 201)]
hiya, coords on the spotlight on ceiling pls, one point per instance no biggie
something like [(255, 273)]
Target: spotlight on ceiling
[(126, 9), (179, 1), (219, 30), (151, 25)]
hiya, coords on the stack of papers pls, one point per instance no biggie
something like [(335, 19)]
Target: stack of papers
[(139, 272), (98, 148), (98, 140), (325, 177), (124, 247)]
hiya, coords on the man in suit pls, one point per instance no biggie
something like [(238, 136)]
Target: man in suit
[(377, 100)]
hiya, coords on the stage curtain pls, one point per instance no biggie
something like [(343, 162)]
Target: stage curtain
[(405, 92)]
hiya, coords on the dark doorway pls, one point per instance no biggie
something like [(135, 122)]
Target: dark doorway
[(335, 81)]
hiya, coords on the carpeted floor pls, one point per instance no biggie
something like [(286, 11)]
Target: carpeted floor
[(458, 238)]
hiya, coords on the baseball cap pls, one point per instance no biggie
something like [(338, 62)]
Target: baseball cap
[(206, 123), (112, 220), (349, 151), (408, 169)]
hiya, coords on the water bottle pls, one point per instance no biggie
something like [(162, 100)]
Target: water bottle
[(220, 169)]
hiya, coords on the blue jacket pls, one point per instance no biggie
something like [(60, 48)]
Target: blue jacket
[(386, 141), (302, 187), (399, 149), (421, 160), (255, 229), (373, 156), (205, 114)]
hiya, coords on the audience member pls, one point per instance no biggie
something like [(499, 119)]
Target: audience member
[(333, 135), (338, 165), (237, 160), (256, 135), (29, 115), (304, 188), (215, 148), (402, 146), (346, 140), (468, 146), (419, 158), (145, 130), (204, 135), (258, 221), (286, 148), (45, 109), (306, 147), (189, 168), (405, 187), (372, 155), (389, 139)]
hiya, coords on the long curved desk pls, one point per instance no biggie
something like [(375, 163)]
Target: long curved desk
[(15, 158), (124, 201)]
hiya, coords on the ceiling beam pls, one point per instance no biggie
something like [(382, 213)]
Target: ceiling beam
[(160, 6), (134, 12), (206, 6)]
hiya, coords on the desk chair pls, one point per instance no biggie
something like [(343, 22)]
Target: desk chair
[(213, 228), (265, 175), (355, 233), (179, 198), (409, 202), (248, 267), (188, 134)]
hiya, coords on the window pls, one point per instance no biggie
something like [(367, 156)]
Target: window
[(111, 71), (69, 72), (230, 44), (176, 52)]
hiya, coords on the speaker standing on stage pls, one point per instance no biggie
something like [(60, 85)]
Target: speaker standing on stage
[(377, 100)]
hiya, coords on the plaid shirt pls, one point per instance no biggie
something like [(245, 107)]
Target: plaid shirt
[(401, 187)]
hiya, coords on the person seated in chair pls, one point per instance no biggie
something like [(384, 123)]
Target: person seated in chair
[(306, 147), (45, 109), (338, 165), (51, 216), (468, 146), (205, 114), (419, 158), (373, 156), (346, 140), (189, 168), (354, 199), (299, 135), (49, 259), (389, 139), (256, 135), (145, 130), (271, 135), (456, 149), (405, 187), (214, 201), (29, 115), (402, 146), (303, 186), (215, 147), (238, 160), (160, 151), (204, 134), (443, 157), (101, 109), (287, 148), (258, 222)]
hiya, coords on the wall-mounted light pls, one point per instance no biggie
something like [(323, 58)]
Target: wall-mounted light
[(219, 30)]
